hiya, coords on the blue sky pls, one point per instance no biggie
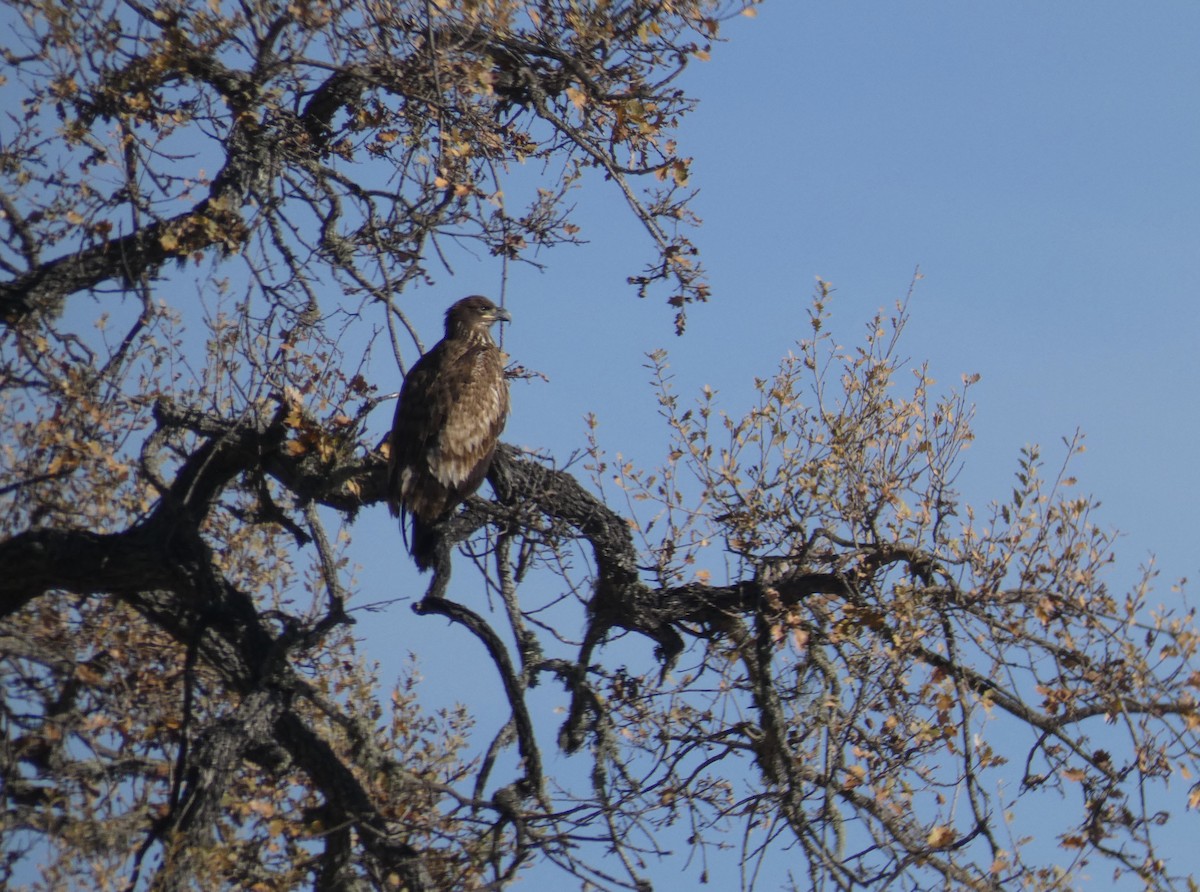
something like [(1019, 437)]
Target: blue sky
[(1037, 161)]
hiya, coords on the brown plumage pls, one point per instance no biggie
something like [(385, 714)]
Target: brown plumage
[(451, 411)]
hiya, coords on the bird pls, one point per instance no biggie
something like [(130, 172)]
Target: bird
[(453, 405)]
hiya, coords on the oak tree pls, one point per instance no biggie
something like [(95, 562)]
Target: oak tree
[(214, 216)]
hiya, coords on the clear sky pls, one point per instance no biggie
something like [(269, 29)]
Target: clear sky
[(1040, 163)]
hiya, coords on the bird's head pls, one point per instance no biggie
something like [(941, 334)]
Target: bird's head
[(474, 313)]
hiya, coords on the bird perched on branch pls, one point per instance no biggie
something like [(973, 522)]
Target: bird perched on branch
[(452, 408)]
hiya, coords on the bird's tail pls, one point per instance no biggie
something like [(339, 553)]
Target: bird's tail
[(426, 538)]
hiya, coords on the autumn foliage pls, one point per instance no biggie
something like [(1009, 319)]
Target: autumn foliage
[(790, 654)]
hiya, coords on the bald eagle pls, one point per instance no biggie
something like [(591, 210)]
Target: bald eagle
[(452, 408)]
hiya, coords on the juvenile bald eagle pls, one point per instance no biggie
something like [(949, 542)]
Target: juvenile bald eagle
[(451, 411)]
